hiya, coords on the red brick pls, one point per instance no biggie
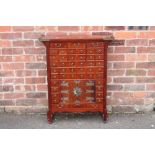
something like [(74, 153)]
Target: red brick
[(6, 73), (120, 65), (45, 28), (39, 51), (68, 28), (13, 95), (13, 80), (115, 57), (52, 28), (135, 72), (13, 66), (136, 57), (146, 50), (36, 95), (5, 58), (137, 42), (12, 51), (150, 87), (23, 28), (114, 28), (35, 65), (125, 35), (139, 94), (147, 65), (116, 72), (24, 58), (32, 35), (23, 88), (152, 42), (42, 87), (114, 87), (23, 43), (120, 94), (109, 79), (6, 88), (7, 103), (42, 72), (10, 36), (146, 35), (134, 87), (5, 43), (123, 80), (117, 43), (91, 28), (24, 73), (151, 57), (151, 72), (35, 80), (124, 50), (5, 28), (145, 79)]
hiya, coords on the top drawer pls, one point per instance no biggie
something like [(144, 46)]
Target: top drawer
[(58, 45)]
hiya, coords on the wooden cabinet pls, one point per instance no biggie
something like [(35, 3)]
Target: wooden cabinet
[(77, 74)]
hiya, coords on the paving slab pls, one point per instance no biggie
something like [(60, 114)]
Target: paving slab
[(77, 121)]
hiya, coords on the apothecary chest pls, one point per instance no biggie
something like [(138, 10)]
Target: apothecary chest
[(76, 74)]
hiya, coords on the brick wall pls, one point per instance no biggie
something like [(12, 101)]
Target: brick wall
[(131, 67)]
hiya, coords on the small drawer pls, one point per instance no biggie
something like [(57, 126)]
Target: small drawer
[(90, 70), (54, 89), (80, 70), (80, 76), (54, 76), (90, 63), (81, 58), (99, 63), (71, 58), (54, 57), (71, 76), (81, 64), (72, 70), (54, 64), (72, 64), (71, 51), (90, 76), (80, 51), (90, 57), (99, 82), (63, 76), (99, 57), (90, 51), (55, 101), (58, 45), (76, 45), (99, 95), (63, 64), (99, 51), (54, 52), (99, 88), (62, 52), (99, 100), (56, 96), (99, 76), (63, 57), (54, 70), (54, 82), (100, 69), (63, 70)]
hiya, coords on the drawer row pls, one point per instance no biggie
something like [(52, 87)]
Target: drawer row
[(76, 51), (76, 44), (69, 70), (72, 57), (77, 76), (77, 64)]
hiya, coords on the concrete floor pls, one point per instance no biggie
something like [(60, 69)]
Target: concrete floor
[(77, 121)]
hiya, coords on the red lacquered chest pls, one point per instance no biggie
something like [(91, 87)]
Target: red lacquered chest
[(77, 74)]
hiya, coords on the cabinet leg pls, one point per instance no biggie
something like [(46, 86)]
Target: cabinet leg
[(105, 116), (49, 117)]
